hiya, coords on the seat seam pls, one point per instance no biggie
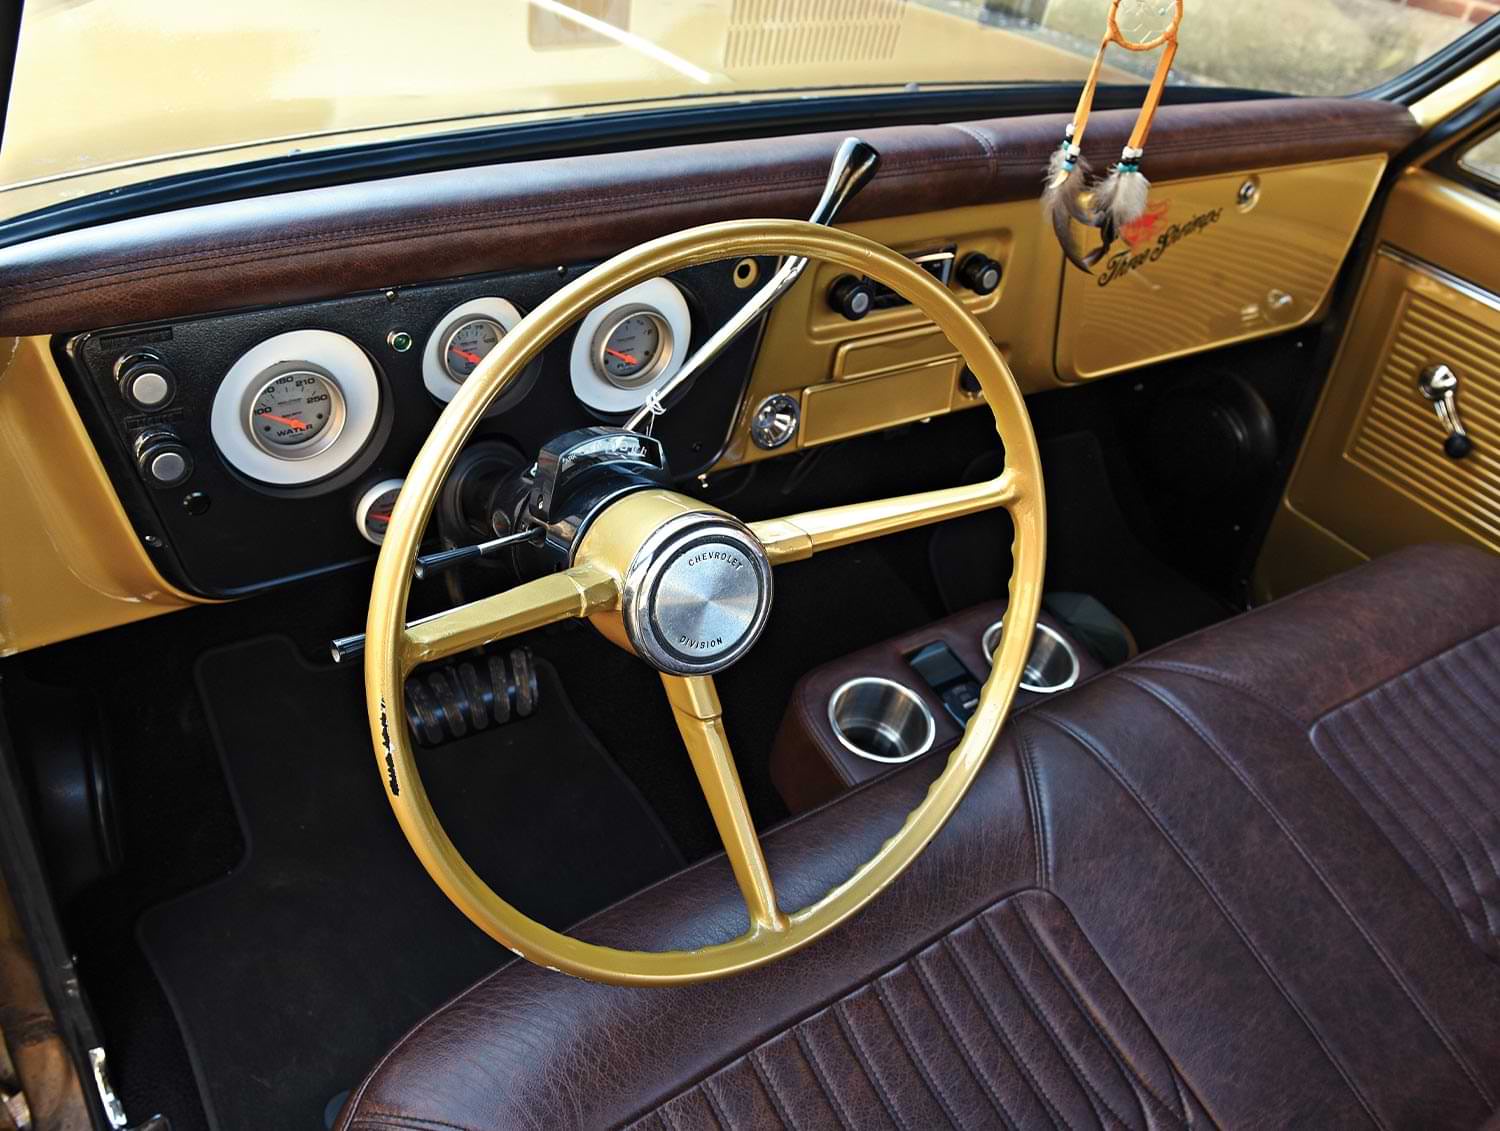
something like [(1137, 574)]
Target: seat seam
[(1097, 1102), (1127, 1070), (1440, 756), (1449, 894), (1469, 776), (1424, 676), (965, 1051), (390, 1118), (768, 1086), (1217, 679), (721, 1117), (1156, 660), (834, 1103), (1218, 900), (1034, 810), (663, 1113), (1225, 758), (913, 1054), (1439, 825), (1014, 1053), (868, 1066), (819, 1006)]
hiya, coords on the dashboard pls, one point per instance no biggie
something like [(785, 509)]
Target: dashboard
[(252, 448), (149, 359)]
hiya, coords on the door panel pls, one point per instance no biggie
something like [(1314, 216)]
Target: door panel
[(1373, 475)]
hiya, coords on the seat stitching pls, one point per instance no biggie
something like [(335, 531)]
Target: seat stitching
[(1482, 675), (668, 1120), (1156, 660), (813, 1008), (1126, 1068), (913, 1053), (1217, 679), (867, 1065), (1097, 1102), (1440, 755), (1443, 878), (1222, 753), (834, 1103), (1103, 758), (721, 1117), (971, 981), (1447, 833), (941, 1009), (766, 1083), (1472, 774), (1424, 676), (387, 1118), (1030, 775)]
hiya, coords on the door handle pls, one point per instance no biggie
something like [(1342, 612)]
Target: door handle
[(1439, 384)]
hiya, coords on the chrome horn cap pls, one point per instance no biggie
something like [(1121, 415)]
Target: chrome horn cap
[(697, 594)]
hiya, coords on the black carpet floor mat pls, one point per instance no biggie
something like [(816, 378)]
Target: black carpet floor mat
[(292, 975)]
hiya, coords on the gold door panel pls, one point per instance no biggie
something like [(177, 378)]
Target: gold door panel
[(1215, 261), (1398, 438), (1372, 476)]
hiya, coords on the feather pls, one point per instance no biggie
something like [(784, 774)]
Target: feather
[(1062, 200), (1121, 197)]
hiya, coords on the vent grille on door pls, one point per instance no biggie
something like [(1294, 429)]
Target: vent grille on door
[(783, 33)]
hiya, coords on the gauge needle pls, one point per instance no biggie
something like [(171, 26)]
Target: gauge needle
[(373, 517), (471, 358), (625, 357), (294, 425)]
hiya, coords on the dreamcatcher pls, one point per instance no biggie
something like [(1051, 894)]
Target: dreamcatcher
[(1120, 199)]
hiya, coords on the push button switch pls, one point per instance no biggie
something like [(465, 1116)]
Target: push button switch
[(163, 459), (145, 382)]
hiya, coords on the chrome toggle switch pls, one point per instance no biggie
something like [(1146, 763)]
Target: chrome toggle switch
[(1439, 385)]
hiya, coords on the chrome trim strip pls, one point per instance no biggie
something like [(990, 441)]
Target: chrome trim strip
[(1432, 271)]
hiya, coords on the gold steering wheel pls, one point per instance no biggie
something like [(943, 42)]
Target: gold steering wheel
[(649, 534)]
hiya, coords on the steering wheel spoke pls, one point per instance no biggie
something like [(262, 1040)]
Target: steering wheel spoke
[(799, 537), (700, 718), (577, 592)]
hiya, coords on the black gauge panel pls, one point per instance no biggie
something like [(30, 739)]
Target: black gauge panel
[(239, 533)]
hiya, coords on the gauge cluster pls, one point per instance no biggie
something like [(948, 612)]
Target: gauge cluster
[(254, 447)]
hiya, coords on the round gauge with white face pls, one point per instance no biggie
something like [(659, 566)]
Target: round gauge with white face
[(468, 343), (296, 414), (633, 346), (297, 408), (464, 337), (629, 346)]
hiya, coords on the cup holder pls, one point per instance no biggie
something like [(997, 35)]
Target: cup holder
[(881, 721), (1053, 664)]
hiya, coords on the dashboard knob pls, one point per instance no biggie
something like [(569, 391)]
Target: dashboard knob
[(980, 273), (851, 297), (145, 382), (163, 459)]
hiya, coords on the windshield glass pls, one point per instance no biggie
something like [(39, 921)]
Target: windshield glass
[(110, 92)]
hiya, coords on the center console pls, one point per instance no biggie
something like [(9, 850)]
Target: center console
[(907, 698)]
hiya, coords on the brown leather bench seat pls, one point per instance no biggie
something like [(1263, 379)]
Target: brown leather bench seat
[(1251, 879)]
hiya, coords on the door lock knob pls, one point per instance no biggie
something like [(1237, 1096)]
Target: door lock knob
[(1439, 384)]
